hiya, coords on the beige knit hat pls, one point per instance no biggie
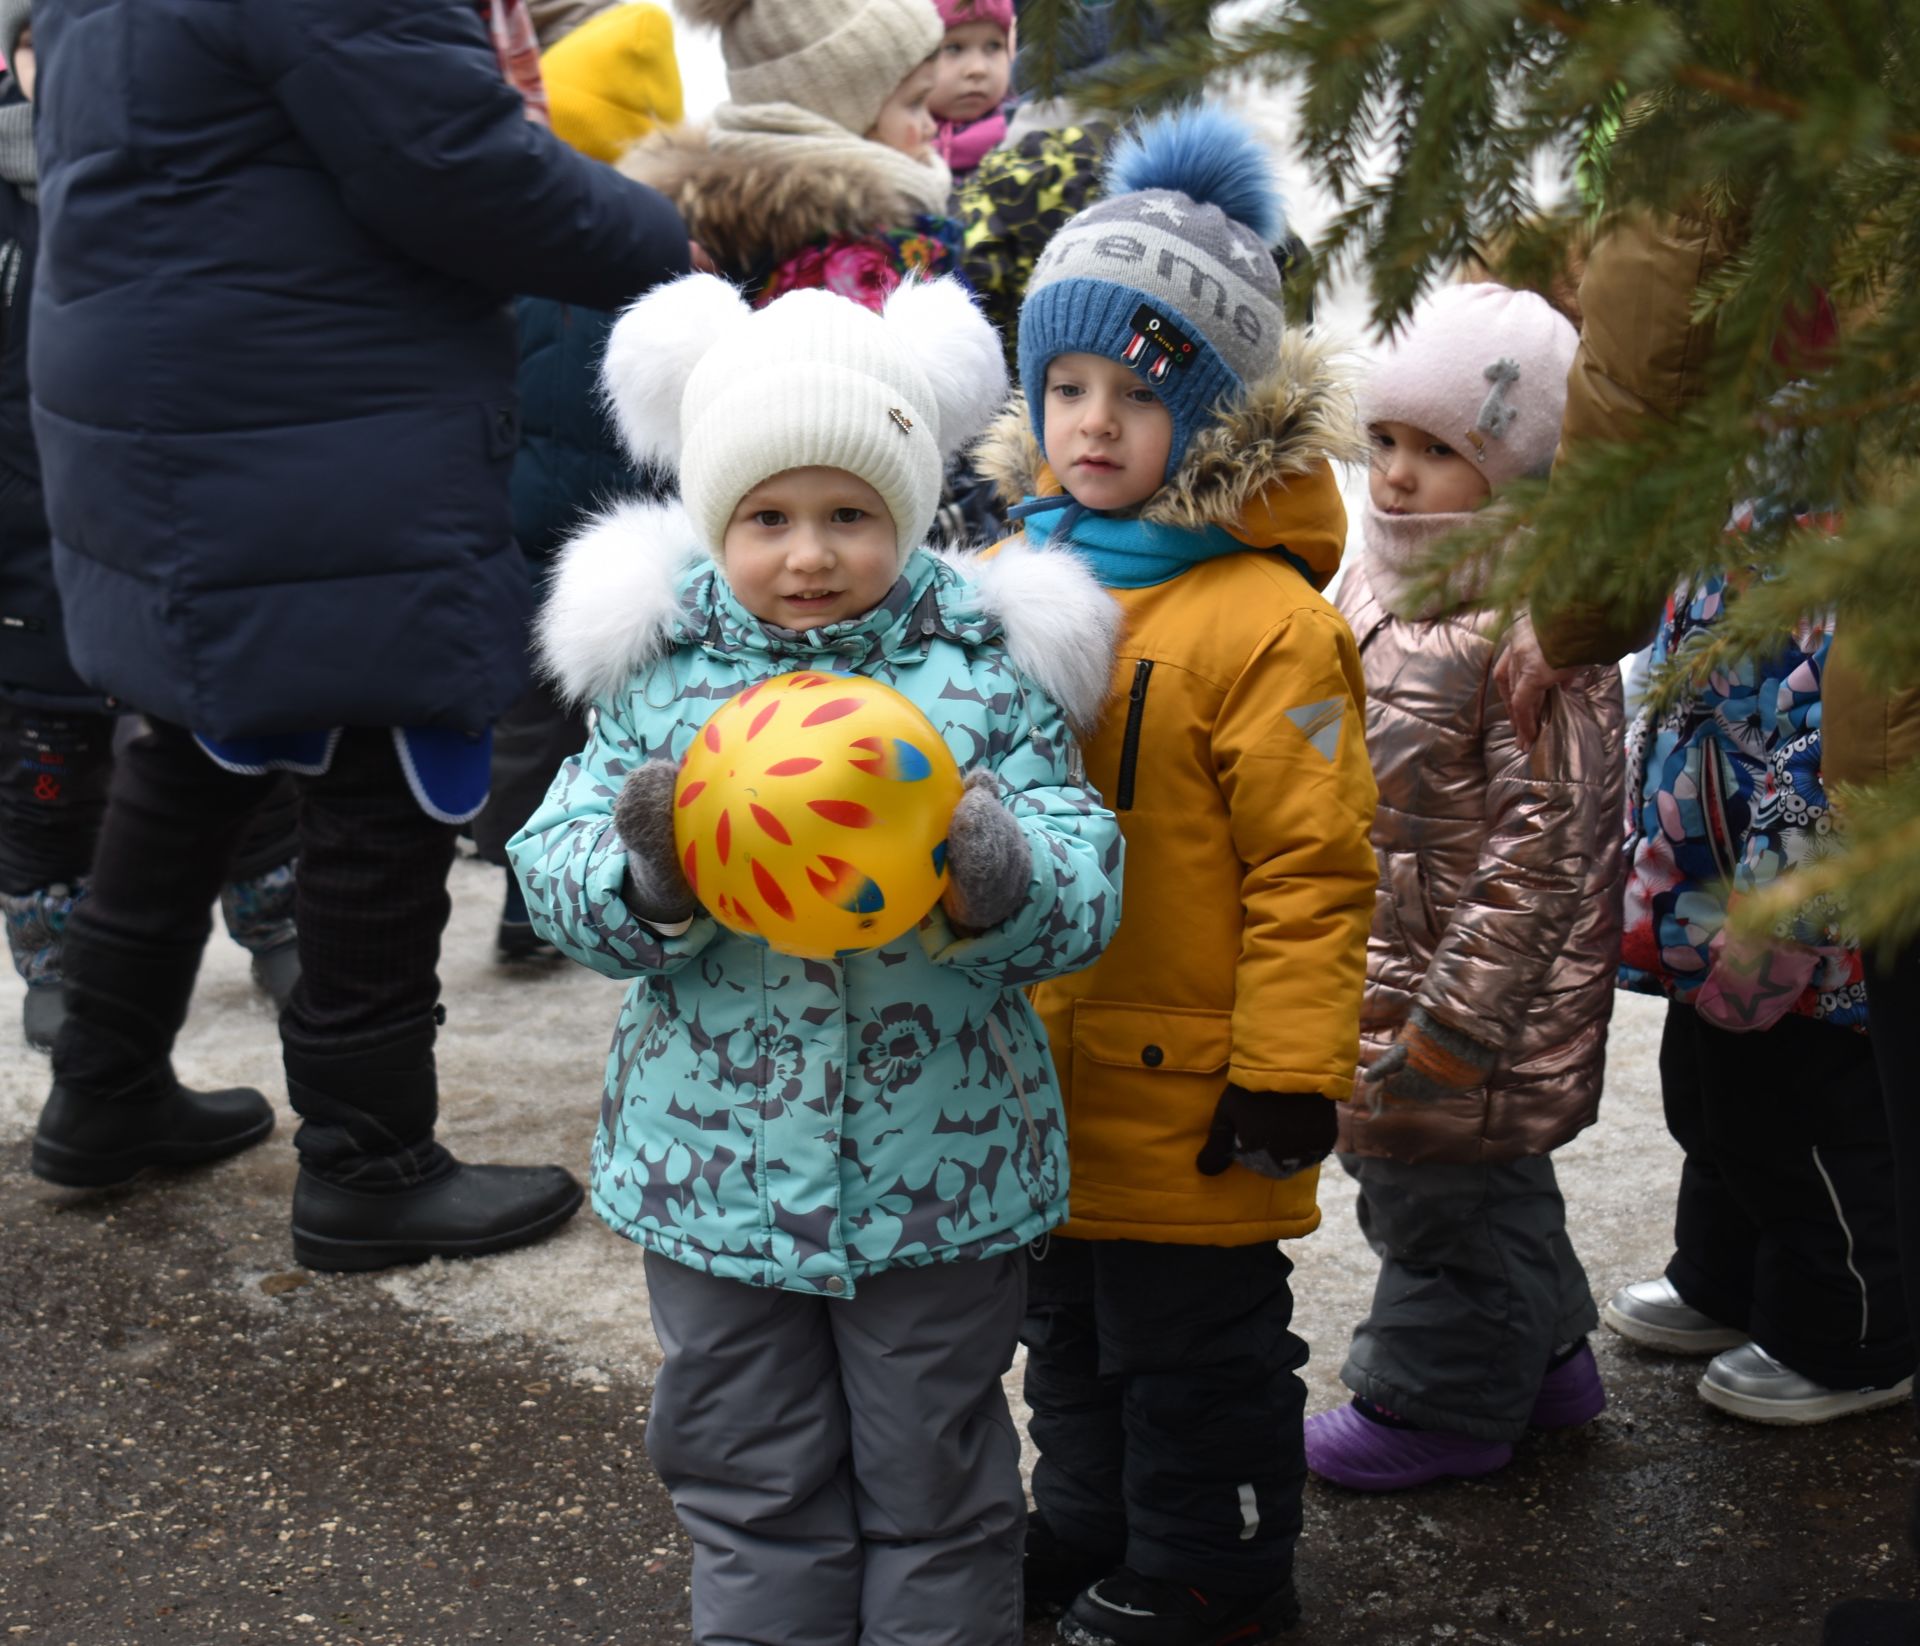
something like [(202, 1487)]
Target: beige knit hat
[(730, 397), (839, 59)]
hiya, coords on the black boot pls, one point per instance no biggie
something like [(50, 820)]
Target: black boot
[(116, 1108), (1126, 1609), (1055, 1571), (375, 1190)]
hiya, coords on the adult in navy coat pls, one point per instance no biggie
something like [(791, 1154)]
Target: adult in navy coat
[(273, 373)]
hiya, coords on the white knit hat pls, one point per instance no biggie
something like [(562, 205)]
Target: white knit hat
[(1483, 368), (700, 383), (841, 59)]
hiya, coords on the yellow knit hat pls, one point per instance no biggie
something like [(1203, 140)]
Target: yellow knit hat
[(612, 80)]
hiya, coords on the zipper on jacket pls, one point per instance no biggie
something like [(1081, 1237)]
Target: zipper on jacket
[(1130, 741)]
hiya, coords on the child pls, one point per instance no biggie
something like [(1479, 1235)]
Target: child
[(821, 171), (1188, 444), (832, 1166), (1786, 1265), (973, 71), (1495, 932)]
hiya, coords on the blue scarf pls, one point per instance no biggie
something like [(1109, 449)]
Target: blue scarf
[(1124, 552)]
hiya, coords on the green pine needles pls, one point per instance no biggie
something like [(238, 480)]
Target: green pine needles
[(1516, 132)]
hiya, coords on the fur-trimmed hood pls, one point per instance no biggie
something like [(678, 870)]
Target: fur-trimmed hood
[(753, 198), (636, 582), (1259, 467)]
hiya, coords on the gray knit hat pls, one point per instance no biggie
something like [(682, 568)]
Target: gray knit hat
[(14, 17), (839, 59), (1170, 274)]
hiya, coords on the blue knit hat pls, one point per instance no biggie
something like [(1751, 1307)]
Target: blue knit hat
[(1170, 273)]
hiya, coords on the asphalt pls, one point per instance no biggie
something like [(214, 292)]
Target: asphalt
[(201, 1443)]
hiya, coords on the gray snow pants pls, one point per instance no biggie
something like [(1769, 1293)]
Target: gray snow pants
[(848, 1471), (1479, 1285)]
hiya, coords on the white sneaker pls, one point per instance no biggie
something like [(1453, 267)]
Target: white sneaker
[(1651, 1313), (1750, 1383)]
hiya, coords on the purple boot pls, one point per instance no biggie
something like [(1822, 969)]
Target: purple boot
[(1570, 1394), (1353, 1450)]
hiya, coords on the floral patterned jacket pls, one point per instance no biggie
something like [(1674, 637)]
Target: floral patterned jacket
[(802, 1123), (1725, 797)]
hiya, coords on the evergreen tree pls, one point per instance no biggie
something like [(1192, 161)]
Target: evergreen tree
[(1794, 128)]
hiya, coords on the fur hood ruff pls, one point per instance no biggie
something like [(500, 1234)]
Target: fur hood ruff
[(1289, 426), (614, 608), (754, 199)]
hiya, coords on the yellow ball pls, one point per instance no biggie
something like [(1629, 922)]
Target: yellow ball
[(812, 812)]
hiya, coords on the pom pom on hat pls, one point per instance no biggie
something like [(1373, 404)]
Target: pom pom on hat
[(1483, 368), (1211, 158), (731, 397), (1171, 274)]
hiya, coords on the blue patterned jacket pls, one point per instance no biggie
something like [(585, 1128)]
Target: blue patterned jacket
[(802, 1123)]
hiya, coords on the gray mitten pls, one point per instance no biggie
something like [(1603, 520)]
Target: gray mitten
[(657, 889), (989, 863)]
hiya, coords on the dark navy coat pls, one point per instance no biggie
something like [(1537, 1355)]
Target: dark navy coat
[(273, 355), (570, 457), (34, 670)]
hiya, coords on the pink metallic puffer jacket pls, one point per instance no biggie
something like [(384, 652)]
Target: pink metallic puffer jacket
[(1498, 908)]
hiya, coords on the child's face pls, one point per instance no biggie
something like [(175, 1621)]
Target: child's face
[(1106, 434), (23, 65), (1414, 472), (905, 122), (972, 69), (810, 547)]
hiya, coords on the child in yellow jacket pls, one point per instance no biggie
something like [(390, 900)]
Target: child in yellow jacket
[(1184, 448)]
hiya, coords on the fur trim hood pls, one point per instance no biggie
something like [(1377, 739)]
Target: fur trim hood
[(1259, 466), (753, 204), (619, 601)]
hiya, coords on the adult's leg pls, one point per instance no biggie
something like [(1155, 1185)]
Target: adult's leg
[(1076, 1426), (371, 903), (131, 953), (1473, 1294), (1795, 1117), (1715, 1235), (936, 1462), (749, 1432)]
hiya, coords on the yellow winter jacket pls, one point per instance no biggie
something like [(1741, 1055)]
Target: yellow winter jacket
[(1234, 753)]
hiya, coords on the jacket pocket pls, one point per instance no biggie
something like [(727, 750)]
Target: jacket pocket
[(1146, 1081), (1412, 902), (1130, 738)]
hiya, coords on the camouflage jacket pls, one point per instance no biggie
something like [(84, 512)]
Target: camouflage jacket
[(800, 1123)]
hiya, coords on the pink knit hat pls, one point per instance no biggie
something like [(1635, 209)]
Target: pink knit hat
[(1484, 369), (956, 13)]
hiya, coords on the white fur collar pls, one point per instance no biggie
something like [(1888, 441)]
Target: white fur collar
[(614, 602)]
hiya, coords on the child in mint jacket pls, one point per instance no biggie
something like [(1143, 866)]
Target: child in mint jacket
[(834, 1165)]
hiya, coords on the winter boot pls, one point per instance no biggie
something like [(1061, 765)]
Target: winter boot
[(1653, 1314), (1056, 1571), (259, 916), (1126, 1609), (1353, 1447), (516, 939), (375, 1190), (116, 1109), (1748, 1382), (36, 922), (1571, 1393)]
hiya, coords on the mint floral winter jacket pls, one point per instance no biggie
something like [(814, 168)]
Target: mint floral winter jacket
[(802, 1123)]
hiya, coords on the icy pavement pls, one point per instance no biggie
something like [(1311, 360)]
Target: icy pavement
[(200, 1443)]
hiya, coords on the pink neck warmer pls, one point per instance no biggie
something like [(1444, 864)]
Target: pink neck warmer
[(1398, 551), (964, 146)]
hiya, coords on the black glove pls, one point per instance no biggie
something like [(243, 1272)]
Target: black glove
[(657, 889), (1273, 1133)]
